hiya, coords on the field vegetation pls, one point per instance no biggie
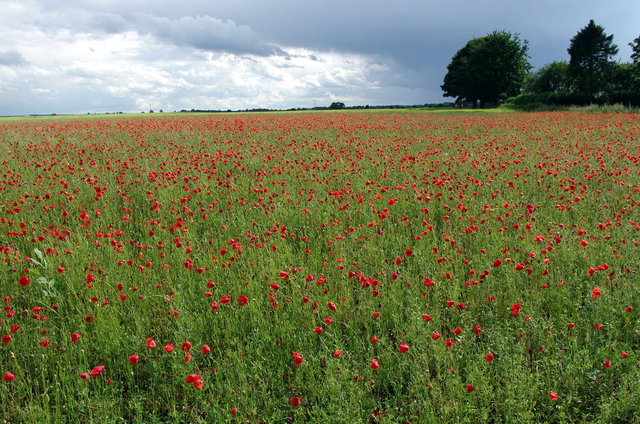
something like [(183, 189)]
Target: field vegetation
[(329, 267)]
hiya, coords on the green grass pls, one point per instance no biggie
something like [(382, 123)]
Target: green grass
[(156, 208)]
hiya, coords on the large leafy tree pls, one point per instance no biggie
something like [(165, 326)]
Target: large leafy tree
[(591, 51), (551, 78), (487, 69)]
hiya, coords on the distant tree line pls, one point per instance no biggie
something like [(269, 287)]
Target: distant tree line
[(495, 68)]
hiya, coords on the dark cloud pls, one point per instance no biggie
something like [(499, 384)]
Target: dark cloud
[(207, 33)]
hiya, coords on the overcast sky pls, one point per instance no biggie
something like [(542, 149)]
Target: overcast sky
[(79, 56)]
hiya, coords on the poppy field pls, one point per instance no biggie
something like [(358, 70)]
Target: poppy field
[(330, 267)]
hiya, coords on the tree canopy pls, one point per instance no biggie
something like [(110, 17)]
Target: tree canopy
[(551, 78), (635, 46), (487, 69), (590, 63)]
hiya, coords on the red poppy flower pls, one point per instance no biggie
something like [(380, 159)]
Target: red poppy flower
[(337, 353), (607, 364), (24, 280), (435, 335), (374, 364), (295, 401), (133, 359), (243, 300), (404, 347), (8, 377), (151, 343), (595, 292), (470, 388), (193, 377), (75, 337), (6, 339), (97, 371), (489, 357), (205, 350), (553, 396)]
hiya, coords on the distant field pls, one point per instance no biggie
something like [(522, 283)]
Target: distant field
[(398, 266)]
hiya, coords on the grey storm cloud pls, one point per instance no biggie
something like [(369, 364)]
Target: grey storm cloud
[(207, 33), (12, 58)]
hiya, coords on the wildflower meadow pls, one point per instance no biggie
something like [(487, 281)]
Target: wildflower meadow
[(398, 266)]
